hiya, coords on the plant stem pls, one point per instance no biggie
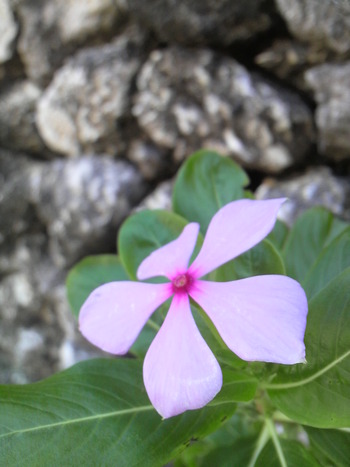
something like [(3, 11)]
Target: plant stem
[(272, 430), (262, 440)]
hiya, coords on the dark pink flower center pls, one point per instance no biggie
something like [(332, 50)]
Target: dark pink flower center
[(182, 283)]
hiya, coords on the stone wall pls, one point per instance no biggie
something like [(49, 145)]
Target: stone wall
[(101, 101)]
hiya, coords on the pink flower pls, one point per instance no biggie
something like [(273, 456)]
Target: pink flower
[(259, 318)]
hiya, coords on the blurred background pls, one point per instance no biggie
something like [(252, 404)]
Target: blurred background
[(101, 101)]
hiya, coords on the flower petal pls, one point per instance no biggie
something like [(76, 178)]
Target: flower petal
[(114, 314), (260, 318), (171, 259), (234, 229), (180, 371)]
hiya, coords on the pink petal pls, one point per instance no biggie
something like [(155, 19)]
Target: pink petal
[(180, 371), (260, 318), (234, 229), (114, 314), (171, 259)]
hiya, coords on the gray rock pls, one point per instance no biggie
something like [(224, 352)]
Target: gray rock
[(202, 21), (75, 205), (38, 335), (321, 33), (51, 30), (29, 329), (8, 31), (77, 21), (152, 161), (160, 198), (289, 59), (331, 87), (82, 201), (52, 213), (189, 99), (318, 187), (325, 25), (17, 117), (84, 107), (16, 213)]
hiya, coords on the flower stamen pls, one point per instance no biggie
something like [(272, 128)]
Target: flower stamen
[(182, 283)]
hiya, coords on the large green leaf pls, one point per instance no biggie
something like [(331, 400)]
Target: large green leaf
[(334, 445), (205, 183), (233, 444), (278, 235), (89, 273), (261, 259), (332, 261), (145, 232), (238, 386), (96, 413), (293, 453), (238, 454), (317, 393), (309, 235)]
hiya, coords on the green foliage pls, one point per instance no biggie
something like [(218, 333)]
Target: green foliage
[(317, 393), (278, 235), (98, 413), (332, 261), (143, 233), (332, 446), (294, 454), (314, 229), (264, 258), (90, 273), (205, 183)]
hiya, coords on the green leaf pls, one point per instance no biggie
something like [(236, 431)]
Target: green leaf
[(294, 453), (96, 413), (233, 444), (332, 261), (145, 232), (317, 393), (261, 259), (238, 386), (237, 454), (278, 235), (332, 444), (205, 183), (90, 273), (310, 234)]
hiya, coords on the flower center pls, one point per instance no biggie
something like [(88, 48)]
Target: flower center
[(182, 283)]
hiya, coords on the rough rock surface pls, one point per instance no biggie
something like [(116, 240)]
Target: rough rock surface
[(331, 86), (150, 159), (8, 31), (205, 22), (81, 202), (325, 25), (51, 214), (84, 107), (28, 322), (318, 187), (50, 30), (289, 59), (86, 84), (160, 198), (194, 98), (17, 117), (320, 33)]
